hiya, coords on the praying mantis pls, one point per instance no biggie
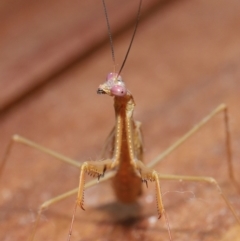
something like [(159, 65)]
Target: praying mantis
[(86, 201)]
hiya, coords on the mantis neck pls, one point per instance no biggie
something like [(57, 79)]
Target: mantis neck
[(123, 146)]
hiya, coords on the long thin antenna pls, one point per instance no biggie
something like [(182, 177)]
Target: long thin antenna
[(109, 34), (134, 32)]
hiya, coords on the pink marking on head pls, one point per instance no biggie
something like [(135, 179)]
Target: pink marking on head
[(111, 76), (116, 84)]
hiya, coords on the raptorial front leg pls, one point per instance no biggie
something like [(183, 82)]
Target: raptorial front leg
[(148, 174), (95, 169), (59, 198)]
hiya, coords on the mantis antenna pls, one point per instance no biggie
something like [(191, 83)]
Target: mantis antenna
[(111, 40)]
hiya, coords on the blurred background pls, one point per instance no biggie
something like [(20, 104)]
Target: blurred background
[(184, 62)]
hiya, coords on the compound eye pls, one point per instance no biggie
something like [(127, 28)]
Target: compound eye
[(118, 90)]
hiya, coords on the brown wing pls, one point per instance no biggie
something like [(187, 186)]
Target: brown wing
[(107, 151)]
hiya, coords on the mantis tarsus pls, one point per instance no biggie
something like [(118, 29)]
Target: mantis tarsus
[(134, 130)]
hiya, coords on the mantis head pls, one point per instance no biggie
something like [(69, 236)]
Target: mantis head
[(114, 86)]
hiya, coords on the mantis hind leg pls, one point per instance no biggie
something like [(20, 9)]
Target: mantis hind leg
[(149, 174), (24, 141), (220, 109), (27, 142)]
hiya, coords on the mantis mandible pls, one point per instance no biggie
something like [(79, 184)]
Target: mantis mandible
[(127, 152)]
